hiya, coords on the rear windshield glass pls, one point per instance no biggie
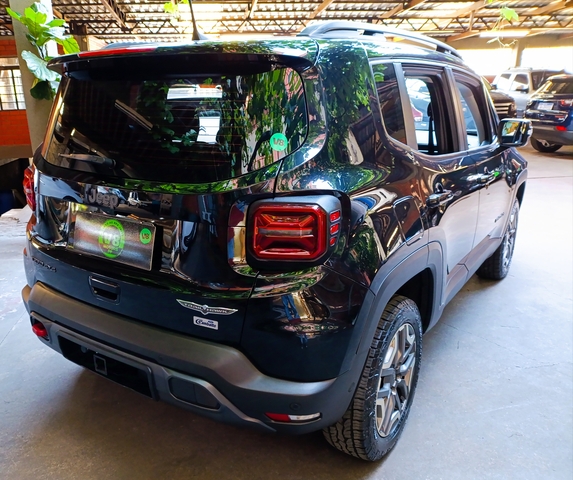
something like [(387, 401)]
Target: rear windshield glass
[(557, 86), (187, 128)]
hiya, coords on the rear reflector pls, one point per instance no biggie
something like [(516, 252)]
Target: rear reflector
[(40, 330), (28, 184), (284, 418)]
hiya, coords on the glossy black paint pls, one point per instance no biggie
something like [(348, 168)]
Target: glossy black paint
[(411, 222)]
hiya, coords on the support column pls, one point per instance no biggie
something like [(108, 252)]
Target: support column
[(37, 111), (518, 52)]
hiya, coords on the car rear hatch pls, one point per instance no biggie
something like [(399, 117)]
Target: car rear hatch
[(151, 156), (553, 102)]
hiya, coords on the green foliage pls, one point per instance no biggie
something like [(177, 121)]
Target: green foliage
[(508, 14), (173, 7), (40, 32)]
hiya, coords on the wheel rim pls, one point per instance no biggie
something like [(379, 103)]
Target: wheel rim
[(509, 239), (394, 385)]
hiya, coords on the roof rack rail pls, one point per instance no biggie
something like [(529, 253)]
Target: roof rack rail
[(329, 29)]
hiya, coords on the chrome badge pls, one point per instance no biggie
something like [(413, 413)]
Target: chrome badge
[(206, 309)]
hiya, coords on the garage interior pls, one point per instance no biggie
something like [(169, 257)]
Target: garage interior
[(495, 393)]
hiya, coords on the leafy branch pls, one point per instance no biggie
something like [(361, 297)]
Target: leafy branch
[(506, 16), (40, 32), (173, 7)]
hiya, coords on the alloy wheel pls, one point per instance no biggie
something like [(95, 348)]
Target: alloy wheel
[(395, 379)]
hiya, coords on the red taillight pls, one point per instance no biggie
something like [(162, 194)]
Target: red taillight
[(566, 103), (116, 51), (28, 184), (561, 128), (289, 232), (40, 330)]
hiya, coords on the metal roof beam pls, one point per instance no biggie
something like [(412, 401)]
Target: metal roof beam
[(318, 10), (402, 8), (117, 13), (552, 7)]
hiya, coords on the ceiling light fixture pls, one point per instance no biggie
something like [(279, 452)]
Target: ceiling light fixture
[(504, 33)]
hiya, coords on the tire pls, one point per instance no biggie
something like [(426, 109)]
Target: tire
[(544, 146), (497, 266), (365, 430)]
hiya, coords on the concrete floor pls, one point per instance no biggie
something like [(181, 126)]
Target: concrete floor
[(495, 397)]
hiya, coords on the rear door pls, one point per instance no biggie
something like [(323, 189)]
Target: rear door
[(478, 134), (448, 173)]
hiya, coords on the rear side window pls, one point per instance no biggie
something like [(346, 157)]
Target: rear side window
[(558, 86), (390, 103), (179, 128), (520, 82), (474, 110)]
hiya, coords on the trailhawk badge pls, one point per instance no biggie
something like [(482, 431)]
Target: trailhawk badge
[(206, 309)]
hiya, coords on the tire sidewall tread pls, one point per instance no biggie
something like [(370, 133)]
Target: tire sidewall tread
[(356, 433)]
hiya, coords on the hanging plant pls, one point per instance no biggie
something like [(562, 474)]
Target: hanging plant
[(40, 32), (506, 16)]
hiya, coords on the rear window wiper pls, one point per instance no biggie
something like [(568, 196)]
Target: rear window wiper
[(84, 157)]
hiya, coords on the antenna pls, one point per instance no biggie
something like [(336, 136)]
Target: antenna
[(197, 35)]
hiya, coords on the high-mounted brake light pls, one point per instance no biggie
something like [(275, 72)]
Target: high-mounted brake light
[(28, 184), (115, 51)]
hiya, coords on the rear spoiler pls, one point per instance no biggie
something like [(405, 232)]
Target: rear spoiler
[(298, 54)]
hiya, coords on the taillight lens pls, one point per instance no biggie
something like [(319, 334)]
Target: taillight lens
[(566, 103), (28, 184), (289, 232)]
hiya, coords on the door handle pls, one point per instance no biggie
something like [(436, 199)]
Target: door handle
[(437, 199)]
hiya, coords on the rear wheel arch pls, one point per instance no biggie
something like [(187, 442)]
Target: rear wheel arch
[(418, 277)]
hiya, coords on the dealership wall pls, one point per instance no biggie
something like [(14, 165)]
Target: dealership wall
[(489, 57), (14, 132)]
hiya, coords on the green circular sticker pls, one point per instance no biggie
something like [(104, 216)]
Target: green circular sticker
[(111, 238), (279, 142), (145, 236)]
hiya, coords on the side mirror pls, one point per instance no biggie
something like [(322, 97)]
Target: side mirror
[(522, 89), (514, 132)]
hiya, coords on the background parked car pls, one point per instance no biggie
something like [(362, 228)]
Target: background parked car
[(521, 82), (551, 112), (504, 104)]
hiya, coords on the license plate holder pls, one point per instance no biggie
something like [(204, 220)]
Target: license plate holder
[(121, 240), (545, 106)]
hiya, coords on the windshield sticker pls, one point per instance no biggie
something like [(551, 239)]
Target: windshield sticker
[(111, 238), (279, 142)]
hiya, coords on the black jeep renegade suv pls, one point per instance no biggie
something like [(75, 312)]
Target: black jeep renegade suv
[(261, 231)]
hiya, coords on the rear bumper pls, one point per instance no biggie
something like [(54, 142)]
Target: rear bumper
[(214, 380), (545, 132)]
